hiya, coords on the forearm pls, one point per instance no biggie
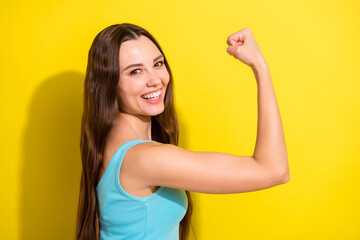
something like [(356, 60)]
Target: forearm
[(270, 149)]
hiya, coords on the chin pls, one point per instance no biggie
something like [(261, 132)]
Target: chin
[(152, 111), (157, 113)]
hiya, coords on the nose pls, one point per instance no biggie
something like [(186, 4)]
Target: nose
[(153, 79)]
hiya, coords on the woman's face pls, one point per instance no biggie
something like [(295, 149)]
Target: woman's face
[(143, 76)]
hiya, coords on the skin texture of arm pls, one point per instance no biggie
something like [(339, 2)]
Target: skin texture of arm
[(157, 164), (270, 149)]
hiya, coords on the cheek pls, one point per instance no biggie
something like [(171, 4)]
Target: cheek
[(123, 94), (128, 90), (166, 77)]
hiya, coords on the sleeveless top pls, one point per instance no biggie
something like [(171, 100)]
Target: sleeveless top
[(124, 216)]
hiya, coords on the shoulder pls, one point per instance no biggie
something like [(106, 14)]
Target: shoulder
[(153, 159), (144, 152), (148, 160)]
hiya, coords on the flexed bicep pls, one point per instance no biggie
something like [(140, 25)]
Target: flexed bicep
[(206, 172)]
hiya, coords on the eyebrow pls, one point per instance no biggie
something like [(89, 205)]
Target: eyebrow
[(140, 64)]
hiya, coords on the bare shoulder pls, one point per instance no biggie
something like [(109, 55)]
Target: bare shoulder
[(159, 164)]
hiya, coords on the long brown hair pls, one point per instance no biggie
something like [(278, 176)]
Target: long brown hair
[(99, 114)]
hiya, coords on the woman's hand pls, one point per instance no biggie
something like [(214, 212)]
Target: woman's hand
[(242, 46)]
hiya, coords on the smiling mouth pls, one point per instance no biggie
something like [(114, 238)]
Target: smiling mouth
[(152, 96)]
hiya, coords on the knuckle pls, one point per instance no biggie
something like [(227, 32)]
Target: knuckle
[(247, 30), (228, 50)]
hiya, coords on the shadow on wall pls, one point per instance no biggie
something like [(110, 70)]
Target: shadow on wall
[(51, 165)]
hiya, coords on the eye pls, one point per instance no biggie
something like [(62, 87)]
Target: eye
[(134, 71), (162, 63)]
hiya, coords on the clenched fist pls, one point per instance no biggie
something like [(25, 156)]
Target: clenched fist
[(242, 45)]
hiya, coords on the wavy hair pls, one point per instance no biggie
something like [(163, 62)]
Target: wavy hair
[(99, 115)]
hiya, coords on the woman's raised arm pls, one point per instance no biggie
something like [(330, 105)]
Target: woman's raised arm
[(167, 165)]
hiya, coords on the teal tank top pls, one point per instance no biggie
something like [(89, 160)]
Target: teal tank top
[(124, 216)]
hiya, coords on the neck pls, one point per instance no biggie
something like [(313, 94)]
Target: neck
[(135, 126)]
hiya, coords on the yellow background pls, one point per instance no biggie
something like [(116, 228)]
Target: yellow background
[(312, 48)]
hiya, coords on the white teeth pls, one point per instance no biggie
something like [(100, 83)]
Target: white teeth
[(152, 95), (155, 98)]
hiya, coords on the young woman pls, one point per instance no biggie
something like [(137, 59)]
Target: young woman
[(135, 179)]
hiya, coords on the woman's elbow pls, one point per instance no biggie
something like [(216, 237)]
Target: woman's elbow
[(284, 176), (280, 175)]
